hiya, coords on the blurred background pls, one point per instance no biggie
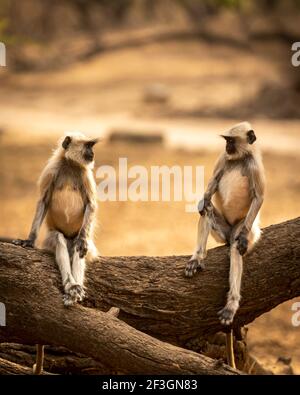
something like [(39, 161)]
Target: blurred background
[(175, 74)]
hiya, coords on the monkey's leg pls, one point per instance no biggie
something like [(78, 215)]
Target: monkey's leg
[(211, 221), (56, 242), (93, 253), (227, 314), (235, 276), (204, 227), (38, 366), (78, 269)]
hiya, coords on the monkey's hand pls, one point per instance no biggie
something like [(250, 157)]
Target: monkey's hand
[(242, 243), (196, 262), (24, 243), (81, 246), (203, 205)]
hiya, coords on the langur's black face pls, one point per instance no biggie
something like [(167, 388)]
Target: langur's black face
[(88, 153), (239, 145), (79, 150), (230, 145)]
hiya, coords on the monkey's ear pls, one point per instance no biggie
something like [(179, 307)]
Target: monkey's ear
[(66, 142), (251, 136)]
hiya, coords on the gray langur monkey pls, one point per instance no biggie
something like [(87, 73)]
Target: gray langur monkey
[(230, 209), (68, 201)]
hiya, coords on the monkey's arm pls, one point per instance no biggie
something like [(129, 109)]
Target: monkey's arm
[(257, 189), (40, 213), (212, 186), (256, 184), (252, 213), (84, 232)]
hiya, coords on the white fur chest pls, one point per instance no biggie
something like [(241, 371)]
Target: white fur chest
[(233, 197)]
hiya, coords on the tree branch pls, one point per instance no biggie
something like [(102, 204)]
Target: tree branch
[(156, 298), (35, 314), (153, 296)]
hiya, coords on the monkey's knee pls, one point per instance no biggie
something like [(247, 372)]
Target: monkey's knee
[(50, 241), (93, 253), (219, 236), (239, 240), (253, 237), (61, 239)]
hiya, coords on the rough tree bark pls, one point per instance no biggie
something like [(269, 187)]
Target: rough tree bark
[(156, 298), (57, 360), (153, 295), (35, 314), (7, 367)]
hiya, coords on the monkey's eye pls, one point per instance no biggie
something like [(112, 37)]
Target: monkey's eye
[(90, 144), (229, 139)]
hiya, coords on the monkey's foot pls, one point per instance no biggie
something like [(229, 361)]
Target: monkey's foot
[(226, 315), (23, 243), (68, 300), (77, 292), (192, 265)]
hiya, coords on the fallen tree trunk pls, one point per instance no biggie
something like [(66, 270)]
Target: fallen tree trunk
[(153, 295), (36, 314)]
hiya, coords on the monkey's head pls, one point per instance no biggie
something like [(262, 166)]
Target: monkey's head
[(79, 148), (239, 140)]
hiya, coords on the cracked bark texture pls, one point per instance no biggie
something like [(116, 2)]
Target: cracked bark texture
[(29, 287), (153, 296)]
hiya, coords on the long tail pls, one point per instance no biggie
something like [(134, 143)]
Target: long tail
[(38, 366), (229, 349)]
